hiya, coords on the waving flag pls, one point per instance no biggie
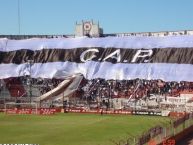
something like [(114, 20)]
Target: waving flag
[(168, 58)]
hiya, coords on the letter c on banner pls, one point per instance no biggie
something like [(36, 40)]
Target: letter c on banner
[(91, 57)]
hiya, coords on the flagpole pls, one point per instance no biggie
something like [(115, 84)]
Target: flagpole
[(18, 12)]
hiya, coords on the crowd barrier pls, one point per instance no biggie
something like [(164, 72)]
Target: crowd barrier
[(104, 111)]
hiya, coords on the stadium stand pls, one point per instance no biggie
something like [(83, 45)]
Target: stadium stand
[(15, 87)]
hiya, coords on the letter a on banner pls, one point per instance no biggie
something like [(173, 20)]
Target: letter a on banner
[(116, 55)]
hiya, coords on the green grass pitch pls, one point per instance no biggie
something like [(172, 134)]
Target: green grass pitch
[(73, 129)]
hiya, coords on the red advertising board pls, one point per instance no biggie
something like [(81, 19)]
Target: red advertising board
[(41, 111), (98, 111)]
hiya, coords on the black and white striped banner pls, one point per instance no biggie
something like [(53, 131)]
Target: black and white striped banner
[(168, 58)]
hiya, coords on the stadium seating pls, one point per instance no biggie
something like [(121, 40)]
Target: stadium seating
[(15, 87)]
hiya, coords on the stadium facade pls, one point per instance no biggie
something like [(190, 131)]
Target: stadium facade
[(92, 29)]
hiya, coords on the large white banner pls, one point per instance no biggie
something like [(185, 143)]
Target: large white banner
[(120, 58)]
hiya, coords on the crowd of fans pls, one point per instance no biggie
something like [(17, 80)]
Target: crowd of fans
[(43, 85), (100, 88), (131, 88), (96, 93)]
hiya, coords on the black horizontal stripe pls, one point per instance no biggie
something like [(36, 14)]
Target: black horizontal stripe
[(160, 55)]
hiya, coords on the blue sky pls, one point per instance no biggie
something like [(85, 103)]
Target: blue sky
[(59, 16)]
